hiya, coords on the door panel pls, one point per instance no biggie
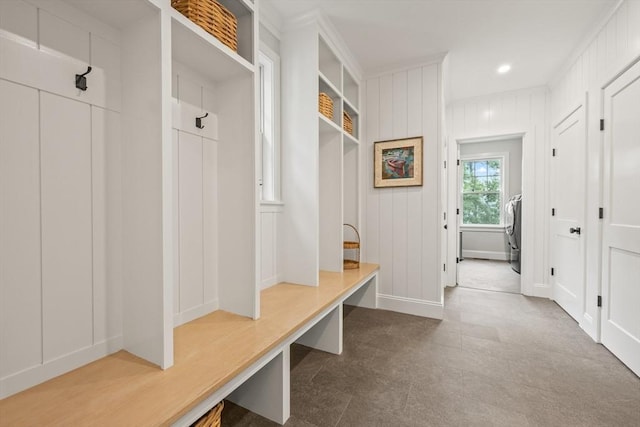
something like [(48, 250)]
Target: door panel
[(568, 201), (621, 225)]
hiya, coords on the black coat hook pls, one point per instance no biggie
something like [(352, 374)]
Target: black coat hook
[(81, 80), (199, 124)]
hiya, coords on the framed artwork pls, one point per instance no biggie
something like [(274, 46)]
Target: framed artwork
[(397, 163)]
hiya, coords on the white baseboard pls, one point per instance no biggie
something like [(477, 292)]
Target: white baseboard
[(500, 256), (194, 313), (270, 281), (542, 290), (416, 307), (30, 377)]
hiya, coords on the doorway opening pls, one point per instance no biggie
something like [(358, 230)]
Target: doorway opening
[(489, 214)]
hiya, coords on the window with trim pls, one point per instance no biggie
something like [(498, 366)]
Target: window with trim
[(269, 69), (483, 190)]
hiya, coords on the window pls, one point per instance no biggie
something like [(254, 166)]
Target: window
[(483, 189), (269, 69)]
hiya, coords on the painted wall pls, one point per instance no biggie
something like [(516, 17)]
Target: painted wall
[(401, 225), (611, 49), (493, 244), (522, 112)]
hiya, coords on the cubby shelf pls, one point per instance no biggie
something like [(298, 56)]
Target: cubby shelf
[(327, 126), (327, 83), (326, 193), (204, 53), (350, 89), (350, 139)]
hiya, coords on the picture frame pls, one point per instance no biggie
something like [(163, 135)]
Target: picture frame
[(397, 163)]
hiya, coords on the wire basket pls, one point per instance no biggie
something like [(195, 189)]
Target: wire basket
[(212, 17)]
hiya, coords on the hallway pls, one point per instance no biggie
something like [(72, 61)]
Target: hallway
[(496, 359), (489, 275)]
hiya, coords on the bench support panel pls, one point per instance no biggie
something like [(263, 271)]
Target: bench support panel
[(326, 335), (366, 296), (267, 392)]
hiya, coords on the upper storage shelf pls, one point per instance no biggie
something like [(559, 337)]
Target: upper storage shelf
[(196, 48), (350, 90), (330, 66)]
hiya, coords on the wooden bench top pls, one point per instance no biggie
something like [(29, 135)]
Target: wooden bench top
[(122, 389)]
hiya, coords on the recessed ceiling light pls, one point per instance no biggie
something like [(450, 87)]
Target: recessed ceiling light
[(504, 69)]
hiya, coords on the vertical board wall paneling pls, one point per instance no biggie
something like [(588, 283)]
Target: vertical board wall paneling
[(415, 218), (176, 221), (75, 310), (107, 225), (403, 224), (66, 225), (371, 235), (431, 209), (210, 222), (195, 189), (615, 47), (20, 252), (399, 195), (191, 221), (385, 195)]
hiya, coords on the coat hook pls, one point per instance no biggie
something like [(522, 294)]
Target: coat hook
[(199, 124), (81, 80)]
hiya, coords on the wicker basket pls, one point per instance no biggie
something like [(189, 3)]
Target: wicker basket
[(348, 263), (214, 18), (347, 123), (212, 418), (325, 105)]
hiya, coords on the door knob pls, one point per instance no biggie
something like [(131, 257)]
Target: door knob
[(574, 230)]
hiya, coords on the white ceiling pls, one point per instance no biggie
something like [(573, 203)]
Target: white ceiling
[(535, 36)]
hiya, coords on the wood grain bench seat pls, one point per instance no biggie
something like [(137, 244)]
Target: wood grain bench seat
[(214, 355)]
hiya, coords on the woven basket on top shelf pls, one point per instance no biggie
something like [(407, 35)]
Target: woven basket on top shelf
[(325, 105), (347, 122), (349, 263), (212, 418), (213, 17)]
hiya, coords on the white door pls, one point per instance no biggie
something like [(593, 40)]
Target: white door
[(568, 205), (621, 225)]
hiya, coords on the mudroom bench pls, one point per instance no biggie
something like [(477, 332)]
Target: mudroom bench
[(218, 356)]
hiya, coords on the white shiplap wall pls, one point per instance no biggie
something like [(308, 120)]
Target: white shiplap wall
[(402, 227), (612, 49), (523, 113), (60, 197)]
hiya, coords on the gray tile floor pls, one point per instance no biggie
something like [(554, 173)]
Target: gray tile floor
[(489, 275), (497, 359)]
